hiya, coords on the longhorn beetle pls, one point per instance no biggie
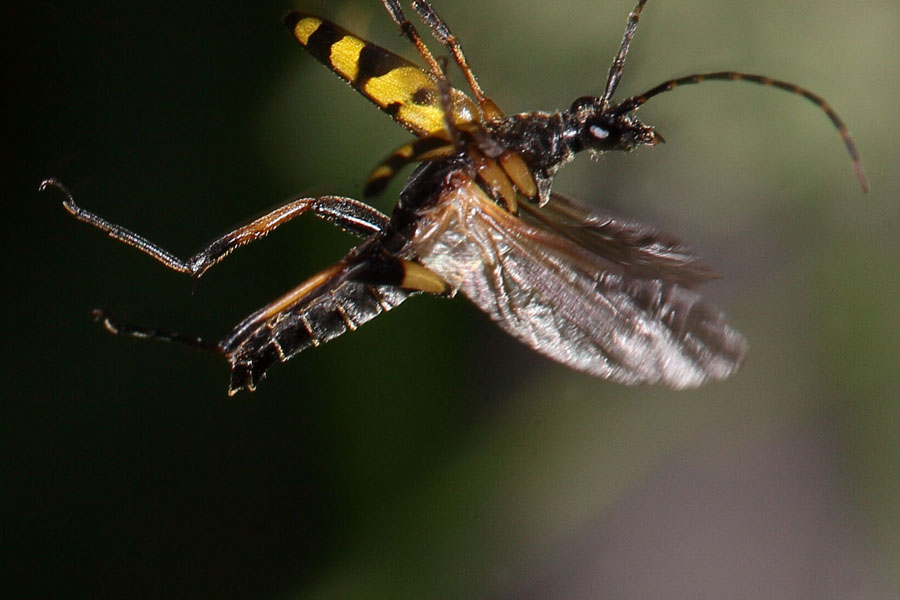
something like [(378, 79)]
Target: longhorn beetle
[(607, 296)]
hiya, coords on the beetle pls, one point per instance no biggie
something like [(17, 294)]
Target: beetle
[(601, 294)]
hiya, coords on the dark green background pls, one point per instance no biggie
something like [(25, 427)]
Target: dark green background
[(428, 455)]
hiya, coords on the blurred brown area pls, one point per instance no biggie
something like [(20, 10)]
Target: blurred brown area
[(428, 455)]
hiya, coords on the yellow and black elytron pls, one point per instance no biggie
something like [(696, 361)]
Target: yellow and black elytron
[(600, 294)]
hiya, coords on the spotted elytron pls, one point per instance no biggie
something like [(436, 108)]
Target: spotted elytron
[(607, 296)]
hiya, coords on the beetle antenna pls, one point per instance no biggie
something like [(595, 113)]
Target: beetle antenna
[(618, 63), (632, 103)]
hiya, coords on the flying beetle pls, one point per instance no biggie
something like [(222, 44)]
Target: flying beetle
[(603, 295)]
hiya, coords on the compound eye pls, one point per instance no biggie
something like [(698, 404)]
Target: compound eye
[(598, 132)]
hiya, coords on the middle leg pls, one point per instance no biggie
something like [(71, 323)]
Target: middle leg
[(349, 214)]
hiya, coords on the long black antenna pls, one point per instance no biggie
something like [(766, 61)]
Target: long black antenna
[(630, 104), (618, 63)]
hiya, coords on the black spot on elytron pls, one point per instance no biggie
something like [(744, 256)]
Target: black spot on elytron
[(375, 61), (322, 39), (393, 108), (424, 97)]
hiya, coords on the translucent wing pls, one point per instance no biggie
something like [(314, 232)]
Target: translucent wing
[(397, 86), (640, 249), (578, 303)]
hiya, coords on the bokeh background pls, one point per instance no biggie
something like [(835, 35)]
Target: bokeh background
[(428, 455)]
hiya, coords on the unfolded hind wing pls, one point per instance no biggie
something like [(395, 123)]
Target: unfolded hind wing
[(575, 304)]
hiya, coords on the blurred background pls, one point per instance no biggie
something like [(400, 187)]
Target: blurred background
[(428, 455)]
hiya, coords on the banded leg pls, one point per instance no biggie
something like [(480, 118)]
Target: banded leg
[(425, 148), (351, 215), (430, 147), (504, 175)]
